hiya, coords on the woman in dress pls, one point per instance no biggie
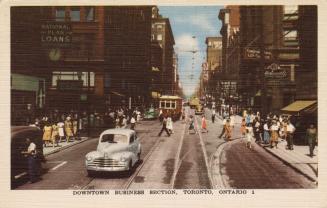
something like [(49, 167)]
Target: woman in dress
[(228, 131), (204, 124), (274, 134), (54, 135), (170, 124), (61, 130), (243, 127), (47, 131), (68, 129)]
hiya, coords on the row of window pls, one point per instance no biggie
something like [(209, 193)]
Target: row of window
[(168, 104), (74, 14)]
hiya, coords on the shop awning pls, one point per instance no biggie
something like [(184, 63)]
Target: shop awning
[(306, 106)]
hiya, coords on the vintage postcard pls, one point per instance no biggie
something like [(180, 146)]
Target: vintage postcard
[(180, 104)]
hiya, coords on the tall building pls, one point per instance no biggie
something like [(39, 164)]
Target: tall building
[(127, 54), (228, 78), (163, 35), (61, 54)]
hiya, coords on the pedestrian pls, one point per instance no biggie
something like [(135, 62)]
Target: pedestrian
[(170, 124), (248, 119), (243, 127), (54, 135), (228, 131), (289, 136), (191, 126), (232, 121), (248, 138), (256, 125), (47, 131), (311, 136), (164, 127), (61, 130), (183, 114), (204, 124), (32, 161), (274, 134), (266, 135), (124, 122), (75, 128), (133, 121), (68, 129), (223, 129), (213, 115)]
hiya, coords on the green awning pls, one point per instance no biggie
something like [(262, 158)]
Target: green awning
[(300, 105)]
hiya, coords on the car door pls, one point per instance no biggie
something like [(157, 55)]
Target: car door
[(133, 144)]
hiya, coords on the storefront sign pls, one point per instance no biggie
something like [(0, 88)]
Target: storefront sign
[(275, 72), (255, 54), (56, 34)]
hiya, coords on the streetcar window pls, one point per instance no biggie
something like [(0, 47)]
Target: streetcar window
[(168, 104), (162, 104), (173, 105)]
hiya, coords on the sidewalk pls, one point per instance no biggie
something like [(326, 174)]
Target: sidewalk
[(63, 145), (298, 158)]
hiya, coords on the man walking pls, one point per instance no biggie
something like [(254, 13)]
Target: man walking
[(289, 137), (213, 115), (223, 130), (33, 162), (164, 126)]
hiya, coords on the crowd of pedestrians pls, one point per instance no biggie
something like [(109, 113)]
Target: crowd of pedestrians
[(267, 131), (67, 127)]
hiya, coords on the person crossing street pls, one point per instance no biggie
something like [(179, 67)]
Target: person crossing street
[(164, 126)]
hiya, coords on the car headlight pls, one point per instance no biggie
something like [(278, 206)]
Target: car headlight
[(89, 158), (123, 158)]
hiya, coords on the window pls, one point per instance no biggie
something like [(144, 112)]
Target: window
[(162, 104), (290, 9), (290, 35), (60, 14), (89, 14), (173, 105), (168, 104), (159, 26), (159, 37), (75, 14)]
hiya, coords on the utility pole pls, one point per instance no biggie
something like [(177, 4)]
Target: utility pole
[(262, 66)]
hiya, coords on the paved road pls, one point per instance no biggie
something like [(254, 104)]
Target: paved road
[(66, 169), (258, 169), (179, 161), (192, 172)]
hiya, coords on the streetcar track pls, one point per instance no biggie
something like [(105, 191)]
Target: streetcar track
[(139, 168)]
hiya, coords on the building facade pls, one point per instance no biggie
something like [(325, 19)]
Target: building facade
[(163, 35)]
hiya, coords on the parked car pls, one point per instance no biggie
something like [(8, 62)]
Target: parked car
[(117, 150), (18, 144)]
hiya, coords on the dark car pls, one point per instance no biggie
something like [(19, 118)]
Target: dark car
[(18, 144)]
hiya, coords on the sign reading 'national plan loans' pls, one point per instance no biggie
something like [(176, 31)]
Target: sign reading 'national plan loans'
[(56, 34)]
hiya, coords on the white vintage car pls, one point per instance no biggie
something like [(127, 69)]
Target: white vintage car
[(118, 150)]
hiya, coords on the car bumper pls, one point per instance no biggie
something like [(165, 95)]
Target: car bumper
[(106, 169)]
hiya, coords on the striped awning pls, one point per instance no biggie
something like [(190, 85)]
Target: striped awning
[(301, 106)]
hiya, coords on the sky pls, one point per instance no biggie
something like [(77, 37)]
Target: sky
[(186, 22)]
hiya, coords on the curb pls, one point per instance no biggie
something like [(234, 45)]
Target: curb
[(65, 147), (219, 182), (290, 165)]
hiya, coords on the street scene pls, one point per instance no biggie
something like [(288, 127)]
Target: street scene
[(152, 97)]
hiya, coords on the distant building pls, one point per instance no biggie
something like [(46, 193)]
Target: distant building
[(163, 35)]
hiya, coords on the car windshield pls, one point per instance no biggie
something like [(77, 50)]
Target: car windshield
[(114, 138)]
